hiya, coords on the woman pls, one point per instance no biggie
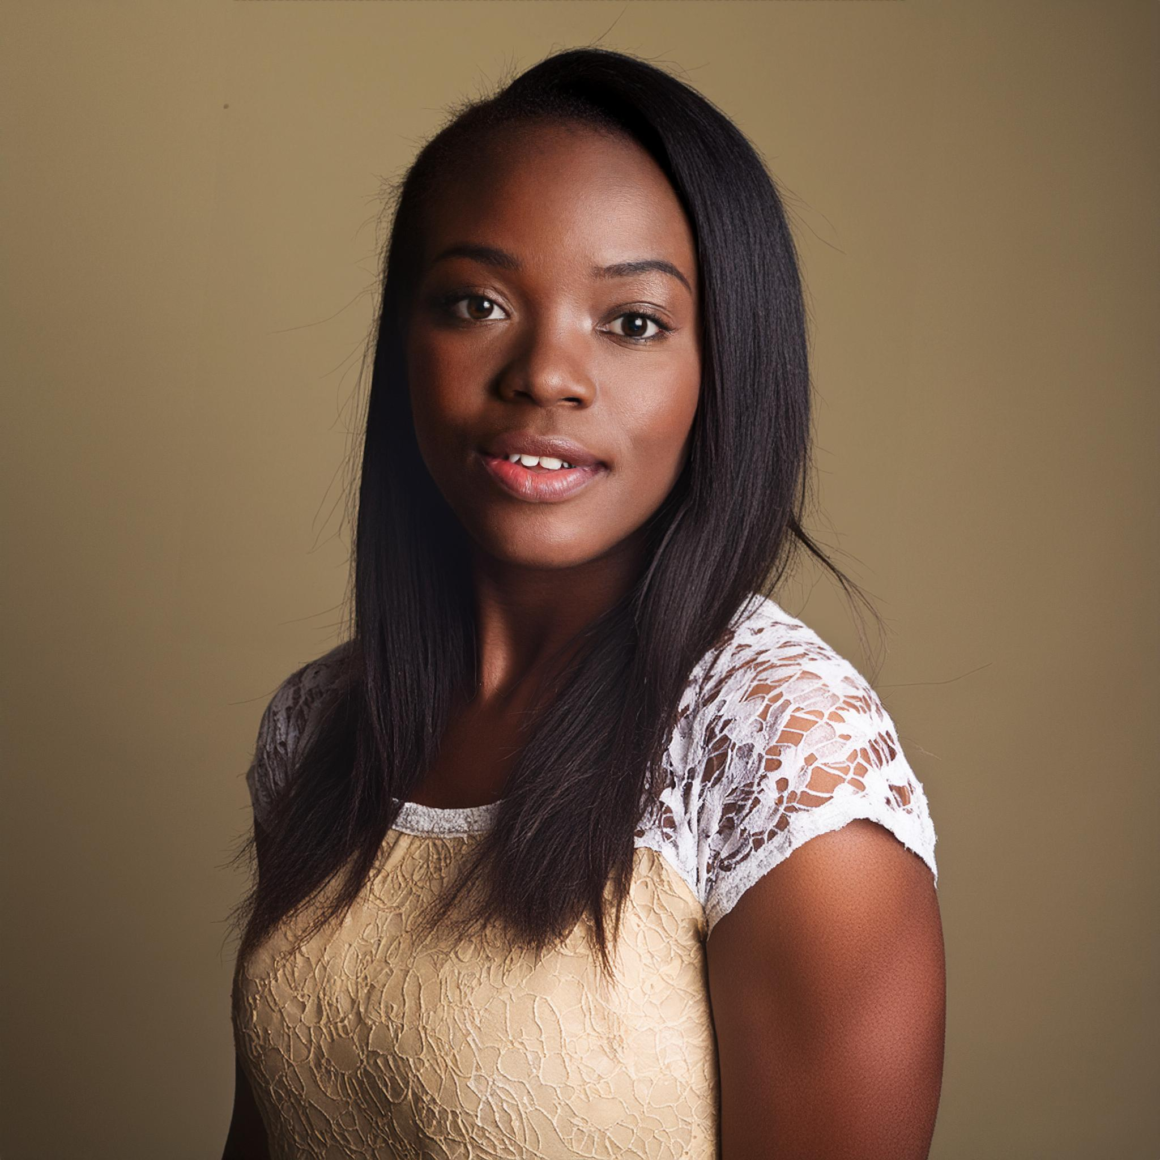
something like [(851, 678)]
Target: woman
[(524, 885)]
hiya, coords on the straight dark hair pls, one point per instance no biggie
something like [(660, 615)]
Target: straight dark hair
[(561, 847)]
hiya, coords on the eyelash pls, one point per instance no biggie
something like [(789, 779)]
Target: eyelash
[(446, 301)]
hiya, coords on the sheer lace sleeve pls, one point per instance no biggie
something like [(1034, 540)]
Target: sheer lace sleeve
[(284, 723), (795, 743), (267, 770)]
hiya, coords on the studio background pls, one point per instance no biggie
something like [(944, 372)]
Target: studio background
[(190, 259)]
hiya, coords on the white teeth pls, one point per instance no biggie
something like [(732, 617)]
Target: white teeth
[(546, 461)]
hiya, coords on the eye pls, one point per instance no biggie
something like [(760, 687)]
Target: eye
[(637, 326), (478, 308)]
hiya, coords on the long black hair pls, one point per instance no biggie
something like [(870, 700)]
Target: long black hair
[(561, 847)]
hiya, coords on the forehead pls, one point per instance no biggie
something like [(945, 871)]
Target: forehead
[(549, 191)]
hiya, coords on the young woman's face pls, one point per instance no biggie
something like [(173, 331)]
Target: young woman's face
[(557, 301)]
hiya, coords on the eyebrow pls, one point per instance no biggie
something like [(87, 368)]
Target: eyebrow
[(493, 256)]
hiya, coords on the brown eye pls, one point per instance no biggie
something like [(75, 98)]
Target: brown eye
[(473, 307), (635, 325), (479, 308)]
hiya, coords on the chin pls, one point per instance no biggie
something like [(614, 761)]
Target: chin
[(537, 556), (530, 549)]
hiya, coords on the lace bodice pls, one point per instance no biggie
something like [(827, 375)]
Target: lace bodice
[(370, 1039), (778, 739)]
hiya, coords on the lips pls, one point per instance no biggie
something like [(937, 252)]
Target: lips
[(539, 484), (527, 443)]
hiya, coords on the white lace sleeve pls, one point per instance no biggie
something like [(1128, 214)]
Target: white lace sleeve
[(795, 743), (284, 723)]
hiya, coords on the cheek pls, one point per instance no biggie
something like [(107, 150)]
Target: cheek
[(658, 431), (438, 402)]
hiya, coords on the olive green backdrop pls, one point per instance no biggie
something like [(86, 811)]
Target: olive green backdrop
[(189, 263)]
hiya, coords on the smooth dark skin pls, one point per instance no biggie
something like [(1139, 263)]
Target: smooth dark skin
[(826, 980)]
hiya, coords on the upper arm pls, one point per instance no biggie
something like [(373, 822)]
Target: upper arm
[(827, 986), (825, 955), (246, 1139)]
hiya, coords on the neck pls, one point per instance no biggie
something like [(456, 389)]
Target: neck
[(527, 616)]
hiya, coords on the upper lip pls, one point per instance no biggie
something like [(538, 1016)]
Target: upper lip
[(527, 443)]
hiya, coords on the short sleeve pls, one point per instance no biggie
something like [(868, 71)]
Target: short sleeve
[(285, 723), (798, 746), (269, 767)]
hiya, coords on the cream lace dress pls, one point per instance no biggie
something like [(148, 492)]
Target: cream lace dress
[(367, 1043)]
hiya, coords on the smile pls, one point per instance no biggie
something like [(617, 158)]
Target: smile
[(546, 480)]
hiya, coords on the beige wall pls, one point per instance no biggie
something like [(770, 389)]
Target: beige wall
[(189, 265)]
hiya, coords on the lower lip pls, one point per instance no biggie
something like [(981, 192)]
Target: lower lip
[(539, 484)]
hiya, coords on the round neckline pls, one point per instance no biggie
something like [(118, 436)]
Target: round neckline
[(448, 821), (459, 821)]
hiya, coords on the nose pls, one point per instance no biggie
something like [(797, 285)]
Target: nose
[(549, 366)]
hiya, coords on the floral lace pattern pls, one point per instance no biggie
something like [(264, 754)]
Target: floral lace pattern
[(782, 740), (285, 722)]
